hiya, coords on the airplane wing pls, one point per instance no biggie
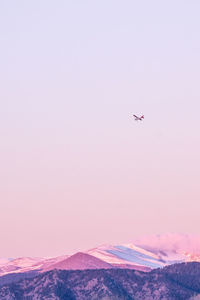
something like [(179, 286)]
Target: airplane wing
[(138, 118)]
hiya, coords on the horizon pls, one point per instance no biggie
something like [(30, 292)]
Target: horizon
[(144, 255), (176, 241), (76, 169)]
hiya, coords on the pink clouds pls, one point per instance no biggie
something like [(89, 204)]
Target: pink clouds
[(172, 242)]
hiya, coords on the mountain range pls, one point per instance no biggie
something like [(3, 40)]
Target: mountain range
[(163, 267), (143, 254), (175, 282)]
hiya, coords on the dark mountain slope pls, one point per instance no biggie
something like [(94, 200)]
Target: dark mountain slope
[(176, 282), (15, 277)]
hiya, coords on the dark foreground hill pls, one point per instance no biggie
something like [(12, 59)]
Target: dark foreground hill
[(176, 282)]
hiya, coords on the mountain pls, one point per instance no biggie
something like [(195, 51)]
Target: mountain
[(177, 246), (18, 264), (175, 282), (80, 261), (152, 251), (127, 255), (143, 254), (27, 264), (4, 261)]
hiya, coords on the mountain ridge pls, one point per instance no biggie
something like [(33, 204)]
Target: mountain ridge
[(145, 255), (178, 281)]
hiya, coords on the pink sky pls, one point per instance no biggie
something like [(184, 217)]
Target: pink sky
[(76, 170)]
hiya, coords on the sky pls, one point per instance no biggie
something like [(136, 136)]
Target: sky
[(76, 170)]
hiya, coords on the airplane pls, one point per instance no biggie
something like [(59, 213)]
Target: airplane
[(138, 118)]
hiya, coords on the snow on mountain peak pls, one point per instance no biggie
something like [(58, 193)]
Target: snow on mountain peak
[(172, 244), (143, 254)]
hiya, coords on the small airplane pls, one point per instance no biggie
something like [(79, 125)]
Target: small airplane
[(138, 118)]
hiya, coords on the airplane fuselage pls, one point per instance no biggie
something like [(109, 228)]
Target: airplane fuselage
[(138, 118)]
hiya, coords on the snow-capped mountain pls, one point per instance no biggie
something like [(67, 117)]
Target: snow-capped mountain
[(27, 264), (126, 256), (173, 246), (143, 254), (4, 261), (151, 252), (17, 264)]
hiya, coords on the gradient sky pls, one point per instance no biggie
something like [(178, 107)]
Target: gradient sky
[(76, 170)]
